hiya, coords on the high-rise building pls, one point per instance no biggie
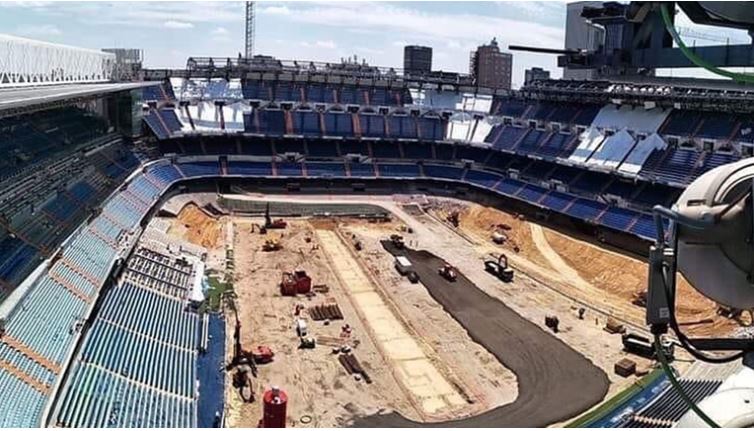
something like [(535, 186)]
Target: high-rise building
[(417, 60), (490, 67), (534, 74), (581, 34)]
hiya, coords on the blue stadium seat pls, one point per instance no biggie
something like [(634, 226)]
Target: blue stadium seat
[(287, 169), (306, 123), (481, 178), (338, 124), (557, 201), (372, 126), (531, 193), (618, 218), (322, 169), (361, 170), (398, 170), (249, 168), (585, 209), (443, 171), (271, 122), (508, 138), (197, 169)]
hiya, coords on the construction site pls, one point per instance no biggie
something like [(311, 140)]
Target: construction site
[(408, 310)]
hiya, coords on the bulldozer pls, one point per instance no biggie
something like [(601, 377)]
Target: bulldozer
[(499, 268), (448, 272), (271, 244)]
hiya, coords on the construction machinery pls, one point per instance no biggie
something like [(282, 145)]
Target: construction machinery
[(397, 241), (273, 224), (448, 272), (263, 355), (499, 268), (271, 244), (243, 364), (294, 283)]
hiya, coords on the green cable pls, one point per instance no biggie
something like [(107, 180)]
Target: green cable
[(677, 386), (740, 77)]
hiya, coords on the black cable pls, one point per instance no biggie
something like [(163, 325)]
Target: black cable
[(685, 341), (678, 387)]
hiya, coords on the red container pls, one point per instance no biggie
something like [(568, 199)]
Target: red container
[(275, 405)]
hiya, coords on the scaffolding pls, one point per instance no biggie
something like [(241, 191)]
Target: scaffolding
[(27, 62)]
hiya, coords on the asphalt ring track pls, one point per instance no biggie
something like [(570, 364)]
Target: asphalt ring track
[(555, 382)]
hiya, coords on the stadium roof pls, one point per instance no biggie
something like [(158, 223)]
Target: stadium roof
[(24, 99)]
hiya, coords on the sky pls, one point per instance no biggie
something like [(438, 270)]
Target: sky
[(170, 32)]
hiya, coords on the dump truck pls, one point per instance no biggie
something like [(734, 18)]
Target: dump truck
[(403, 265), (499, 268)]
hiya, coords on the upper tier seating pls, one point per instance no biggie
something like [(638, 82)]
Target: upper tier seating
[(674, 165), (643, 149), (284, 91), (682, 123), (338, 124)]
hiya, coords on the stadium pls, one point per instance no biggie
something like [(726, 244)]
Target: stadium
[(259, 242)]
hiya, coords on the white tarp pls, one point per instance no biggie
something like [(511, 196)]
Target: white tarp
[(642, 150), (483, 128), (636, 119), (589, 141), (613, 150), (459, 127), (469, 102), (206, 89)]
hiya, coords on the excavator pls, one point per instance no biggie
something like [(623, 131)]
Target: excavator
[(499, 268), (244, 363), (273, 224)]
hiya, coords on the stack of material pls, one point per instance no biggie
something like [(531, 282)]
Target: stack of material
[(325, 312), (352, 365), (625, 367)]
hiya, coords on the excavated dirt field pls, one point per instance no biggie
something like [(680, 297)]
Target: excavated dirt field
[(321, 393), (582, 270), (476, 337), (598, 267), (196, 226)]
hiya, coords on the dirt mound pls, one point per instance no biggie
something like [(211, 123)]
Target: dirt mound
[(624, 277), (484, 220), (200, 228)]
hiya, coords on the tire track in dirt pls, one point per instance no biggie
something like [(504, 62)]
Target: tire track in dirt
[(555, 382)]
